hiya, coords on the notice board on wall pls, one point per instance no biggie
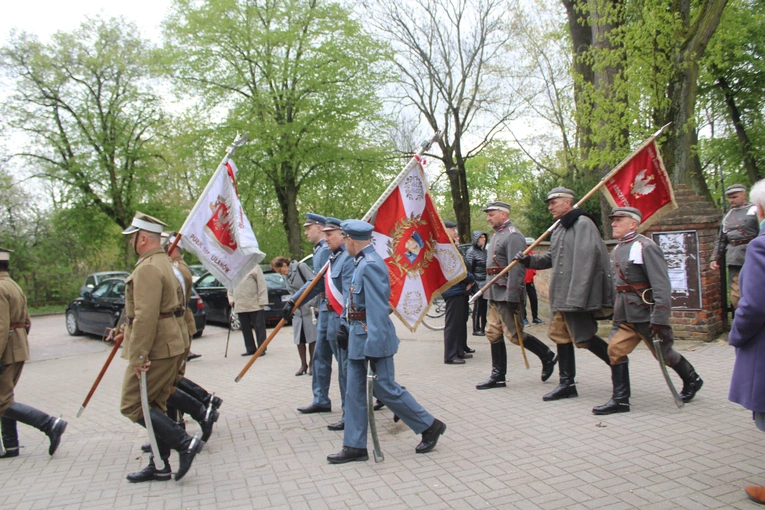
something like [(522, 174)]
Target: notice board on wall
[(681, 251)]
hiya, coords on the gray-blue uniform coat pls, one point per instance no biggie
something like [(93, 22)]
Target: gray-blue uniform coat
[(375, 339), (322, 353)]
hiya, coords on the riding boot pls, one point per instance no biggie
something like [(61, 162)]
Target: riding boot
[(185, 403), (10, 438), (599, 348), (498, 367), (174, 437), (52, 427), (692, 383), (545, 355), (199, 393), (567, 371), (620, 401)]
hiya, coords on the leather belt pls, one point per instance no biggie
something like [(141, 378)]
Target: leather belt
[(177, 313), (357, 316), (633, 288), (494, 270), (18, 325), (738, 242), (330, 308)]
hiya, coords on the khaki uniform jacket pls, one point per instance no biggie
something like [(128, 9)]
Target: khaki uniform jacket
[(188, 316), (152, 290), (740, 225), (14, 347), (504, 244), (251, 295), (641, 261), (581, 272)]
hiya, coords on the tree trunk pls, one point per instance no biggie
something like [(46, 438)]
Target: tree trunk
[(581, 37), (743, 138), (287, 195), (460, 198)]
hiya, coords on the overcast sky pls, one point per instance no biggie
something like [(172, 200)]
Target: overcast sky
[(45, 17)]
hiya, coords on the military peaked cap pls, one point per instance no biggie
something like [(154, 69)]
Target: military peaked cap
[(5, 254), (332, 224), (559, 192), (314, 219), (357, 230), (450, 224), (628, 212), (497, 206), (145, 222)]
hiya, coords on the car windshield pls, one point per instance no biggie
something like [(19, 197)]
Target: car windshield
[(208, 281), (197, 270), (275, 281), (101, 290)]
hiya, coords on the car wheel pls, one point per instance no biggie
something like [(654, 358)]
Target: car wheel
[(233, 320), (71, 324)]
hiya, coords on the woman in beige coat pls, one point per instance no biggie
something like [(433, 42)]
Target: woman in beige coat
[(248, 300)]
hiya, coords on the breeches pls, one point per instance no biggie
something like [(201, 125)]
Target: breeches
[(735, 290), (7, 382), (626, 336), (160, 380), (577, 327), (500, 321)]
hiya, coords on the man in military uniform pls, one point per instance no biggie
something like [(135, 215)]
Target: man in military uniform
[(580, 286), (507, 298), (372, 339), (739, 226), (337, 281), (154, 344), (14, 351), (322, 353), (642, 309), (187, 397)]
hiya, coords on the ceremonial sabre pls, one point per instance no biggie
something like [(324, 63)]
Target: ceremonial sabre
[(519, 332), (147, 421), (660, 357), (371, 376), (228, 337), (209, 407)]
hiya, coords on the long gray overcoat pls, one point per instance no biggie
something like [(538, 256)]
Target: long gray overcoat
[(301, 319)]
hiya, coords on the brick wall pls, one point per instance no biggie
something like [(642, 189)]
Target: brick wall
[(694, 213)]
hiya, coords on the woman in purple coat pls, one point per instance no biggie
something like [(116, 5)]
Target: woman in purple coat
[(747, 335)]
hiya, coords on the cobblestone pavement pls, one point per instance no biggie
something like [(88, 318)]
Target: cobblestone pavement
[(504, 448)]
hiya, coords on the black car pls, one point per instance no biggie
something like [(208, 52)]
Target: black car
[(94, 279), (95, 311), (215, 297)]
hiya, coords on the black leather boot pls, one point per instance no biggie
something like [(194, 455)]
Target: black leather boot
[(545, 355), (692, 383), (567, 371), (10, 438), (52, 427), (150, 473), (174, 437), (199, 393), (620, 401), (185, 403), (348, 454), (599, 348), (498, 367)]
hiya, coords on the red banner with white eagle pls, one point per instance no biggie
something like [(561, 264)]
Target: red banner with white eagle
[(410, 236), (642, 182), (218, 232)]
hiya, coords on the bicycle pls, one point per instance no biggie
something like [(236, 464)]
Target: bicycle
[(434, 320)]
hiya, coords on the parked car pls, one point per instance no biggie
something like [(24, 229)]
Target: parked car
[(197, 270), (94, 312), (93, 279), (215, 297)]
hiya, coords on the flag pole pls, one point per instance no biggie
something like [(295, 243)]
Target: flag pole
[(594, 190), (393, 185)]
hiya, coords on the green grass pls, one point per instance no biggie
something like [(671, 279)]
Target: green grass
[(47, 309)]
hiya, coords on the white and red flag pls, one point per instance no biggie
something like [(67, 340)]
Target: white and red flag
[(642, 182), (218, 232), (410, 236)]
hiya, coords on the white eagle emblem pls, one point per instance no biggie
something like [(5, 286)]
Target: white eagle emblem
[(642, 184)]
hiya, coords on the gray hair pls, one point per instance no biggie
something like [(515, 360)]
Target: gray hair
[(757, 193)]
